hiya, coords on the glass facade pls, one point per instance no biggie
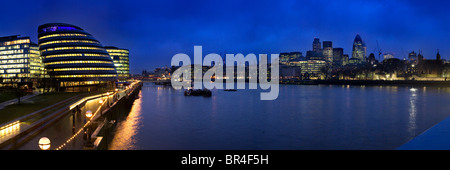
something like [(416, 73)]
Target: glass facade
[(20, 61), (359, 50), (121, 61), (74, 57)]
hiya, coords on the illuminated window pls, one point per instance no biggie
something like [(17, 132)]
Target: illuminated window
[(62, 35), (79, 62), (72, 48), (69, 41), (82, 69), (85, 75)]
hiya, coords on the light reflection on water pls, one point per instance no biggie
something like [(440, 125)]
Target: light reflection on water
[(126, 130), (303, 117), (412, 111)]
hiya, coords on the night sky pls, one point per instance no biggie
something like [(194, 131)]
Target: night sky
[(154, 31)]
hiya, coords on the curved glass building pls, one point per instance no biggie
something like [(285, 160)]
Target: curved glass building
[(359, 49), (74, 57)]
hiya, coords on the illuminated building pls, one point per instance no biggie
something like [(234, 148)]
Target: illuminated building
[(74, 57), (312, 67), (345, 59), (313, 55), (20, 62), (354, 61), (120, 58), (286, 58), (338, 56), (388, 56), (359, 50), (316, 45), (328, 51)]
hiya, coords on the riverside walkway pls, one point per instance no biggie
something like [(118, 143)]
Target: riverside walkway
[(63, 123)]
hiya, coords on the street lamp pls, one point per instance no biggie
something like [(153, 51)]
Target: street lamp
[(88, 114), (44, 143)]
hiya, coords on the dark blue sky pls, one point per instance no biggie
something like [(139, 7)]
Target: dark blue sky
[(154, 31)]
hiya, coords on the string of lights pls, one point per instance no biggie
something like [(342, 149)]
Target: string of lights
[(84, 126)]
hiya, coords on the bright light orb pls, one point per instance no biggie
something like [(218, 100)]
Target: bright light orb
[(44, 143), (88, 114)]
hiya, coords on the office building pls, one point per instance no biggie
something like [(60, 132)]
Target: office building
[(121, 61), (359, 50), (338, 56), (328, 51), (316, 45), (20, 62)]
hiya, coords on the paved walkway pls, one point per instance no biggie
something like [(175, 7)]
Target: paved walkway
[(435, 138), (14, 101)]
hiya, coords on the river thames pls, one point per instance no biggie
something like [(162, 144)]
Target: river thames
[(302, 117)]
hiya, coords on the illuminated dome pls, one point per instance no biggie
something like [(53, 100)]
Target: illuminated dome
[(74, 57)]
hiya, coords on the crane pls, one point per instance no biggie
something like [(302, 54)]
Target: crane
[(378, 49)]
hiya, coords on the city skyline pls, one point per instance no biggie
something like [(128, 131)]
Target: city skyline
[(155, 31)]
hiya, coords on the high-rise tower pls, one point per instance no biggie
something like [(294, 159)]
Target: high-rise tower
[(328, 51), (359, 49), (316, 45)]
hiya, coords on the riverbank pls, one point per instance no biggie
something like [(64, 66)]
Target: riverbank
[(28, 128), (413, 83)]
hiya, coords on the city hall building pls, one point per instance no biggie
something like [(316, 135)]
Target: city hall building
[(74, 58)]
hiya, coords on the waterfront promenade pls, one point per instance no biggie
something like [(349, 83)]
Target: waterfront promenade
[(18, 133)]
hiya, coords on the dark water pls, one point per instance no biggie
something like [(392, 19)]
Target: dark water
[(303, 117)]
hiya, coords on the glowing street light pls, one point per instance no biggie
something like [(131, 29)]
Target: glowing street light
[(88, 114), (100, 101), (44, 143)]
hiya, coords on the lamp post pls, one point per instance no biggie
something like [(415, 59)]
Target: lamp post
[(44, 143), (87, 131)]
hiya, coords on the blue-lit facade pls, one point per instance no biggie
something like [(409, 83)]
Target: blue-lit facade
[(359, 50), (74, 57)]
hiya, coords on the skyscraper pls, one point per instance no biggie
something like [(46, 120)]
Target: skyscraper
[(338, 56), (359, 49), (316, 45), (74, 57), (328, 51)]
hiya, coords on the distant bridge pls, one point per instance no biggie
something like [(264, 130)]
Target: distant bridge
[(158, 82)]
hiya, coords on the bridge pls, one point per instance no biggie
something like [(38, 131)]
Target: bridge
[(158, 82)]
